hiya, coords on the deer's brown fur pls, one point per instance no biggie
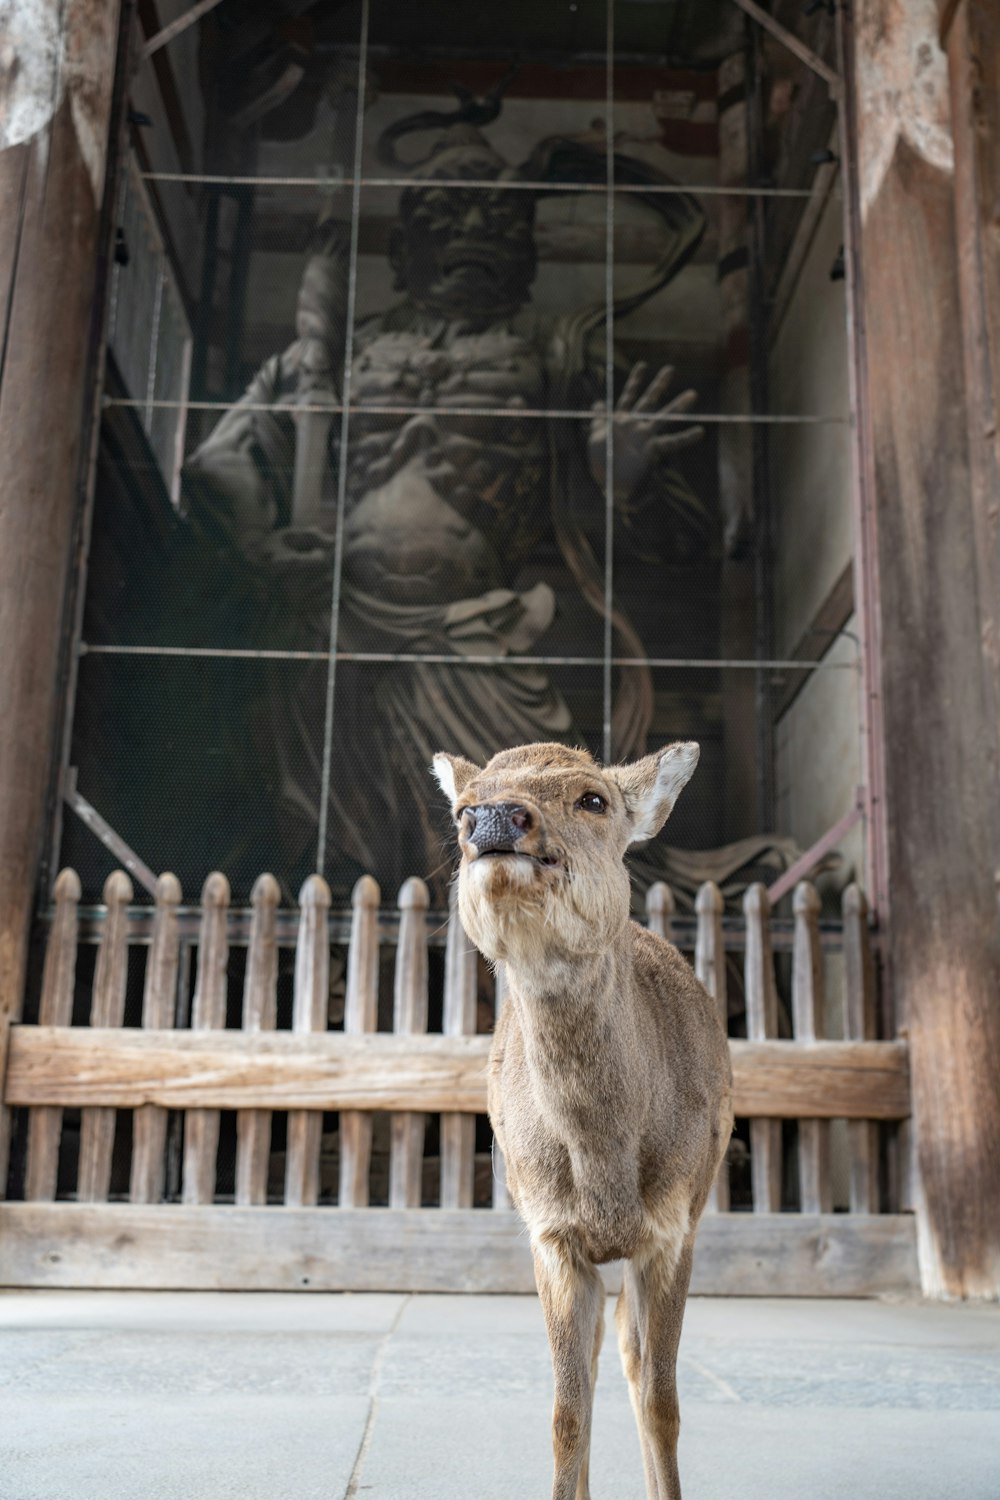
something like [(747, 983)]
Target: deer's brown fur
[(609, 1083)]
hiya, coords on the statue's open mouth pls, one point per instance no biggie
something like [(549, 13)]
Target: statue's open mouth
[(482, 262)]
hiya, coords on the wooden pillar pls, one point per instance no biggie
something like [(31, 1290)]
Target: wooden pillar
[(940, 735), (971, 34), (57, 67)]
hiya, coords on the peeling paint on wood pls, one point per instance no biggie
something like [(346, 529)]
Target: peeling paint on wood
[(51, 50), (902, 88)]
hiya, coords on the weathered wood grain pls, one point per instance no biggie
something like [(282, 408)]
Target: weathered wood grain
[(458, 1131), (428, 1074), (159, 1000), (260, 1003), (710, 967), (55, 1008), (808, 1023), (107, 1009), (820, 1080), (52, 280), (434, 1250), (310, 1005), (762, 1023), (960, 1162), (409, 1019), (360, 1019), (208, 1013), (936, 532)]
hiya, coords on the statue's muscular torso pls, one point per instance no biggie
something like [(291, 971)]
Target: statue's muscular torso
[(447, 500)]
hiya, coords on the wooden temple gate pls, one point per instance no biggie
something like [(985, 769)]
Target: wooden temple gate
[(165, 1073), (921, 259)]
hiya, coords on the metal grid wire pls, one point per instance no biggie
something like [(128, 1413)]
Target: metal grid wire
[(257, 644)]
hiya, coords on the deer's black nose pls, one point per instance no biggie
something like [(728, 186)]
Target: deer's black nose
[(495, 827)]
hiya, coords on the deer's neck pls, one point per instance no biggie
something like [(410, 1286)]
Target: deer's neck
[(587, 1089), (571, 1003)]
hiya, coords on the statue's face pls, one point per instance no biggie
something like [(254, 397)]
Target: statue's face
[(466, 252)]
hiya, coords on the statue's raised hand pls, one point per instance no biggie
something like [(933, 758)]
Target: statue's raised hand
[(640, 437)]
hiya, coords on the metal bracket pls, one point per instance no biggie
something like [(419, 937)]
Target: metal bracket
[(167, 33), (812, 856), (102, 830), (791, 41)]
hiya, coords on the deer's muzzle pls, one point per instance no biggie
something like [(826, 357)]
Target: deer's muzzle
[(496, 828)]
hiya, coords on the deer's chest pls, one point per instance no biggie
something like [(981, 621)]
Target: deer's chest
[(570, 1127)]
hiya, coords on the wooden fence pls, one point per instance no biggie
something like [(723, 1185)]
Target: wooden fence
[(176, 1081)]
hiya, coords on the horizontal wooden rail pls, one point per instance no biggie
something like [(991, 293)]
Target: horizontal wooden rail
[(125, 1068), (684, 928), (225, 1248)]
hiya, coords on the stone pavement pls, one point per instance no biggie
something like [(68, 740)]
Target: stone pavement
[(177, 1396)]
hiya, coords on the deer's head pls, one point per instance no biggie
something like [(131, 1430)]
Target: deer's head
[(543, 830)]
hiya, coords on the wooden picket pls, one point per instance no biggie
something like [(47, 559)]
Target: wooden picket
[(55, 1009), (859, 1024), (309, 1014), (409, 1019), (660, 910), (159, 1004), (360, 1019), (97, 1124), (762, 1024), (710, 967), (407, 1075), (260, 1007), (808, 1023), (458, 1131), (208, 1013)]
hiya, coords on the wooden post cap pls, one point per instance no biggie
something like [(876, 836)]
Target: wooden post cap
[(709, 899), (215, 891), (414, 895), (756, 901), (806, 898), (660, 899), (117, 889), (168, 890), (315, 892), (67, 886), (366, 892), (266, 891)]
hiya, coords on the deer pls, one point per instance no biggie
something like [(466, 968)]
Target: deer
[(609, 1085)]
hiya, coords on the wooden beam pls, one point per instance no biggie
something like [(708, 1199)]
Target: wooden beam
[(80, 1067), (794, 44), (973, 33), (149, 20), (421, 1250), (940, 727), (51, 185)]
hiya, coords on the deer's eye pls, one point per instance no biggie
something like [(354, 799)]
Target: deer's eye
[(592, 802)]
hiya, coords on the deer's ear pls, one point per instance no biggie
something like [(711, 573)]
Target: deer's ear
[(453, 774), (651, 786)]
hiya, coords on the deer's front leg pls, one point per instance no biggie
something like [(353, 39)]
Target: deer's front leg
[(654, 1296), (572, 1298)]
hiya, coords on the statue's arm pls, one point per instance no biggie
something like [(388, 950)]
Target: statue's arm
[(233, 480)]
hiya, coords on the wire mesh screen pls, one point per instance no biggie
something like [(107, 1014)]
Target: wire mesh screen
[(517, 411)]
